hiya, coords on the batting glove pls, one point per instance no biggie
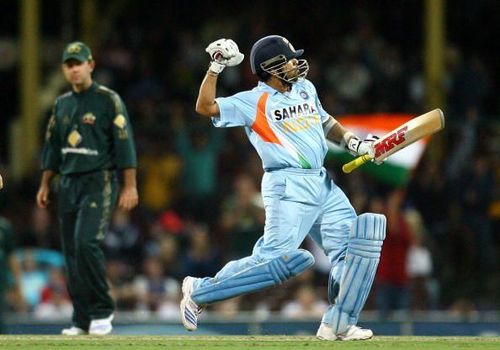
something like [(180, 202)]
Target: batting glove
[(223, 52), (358, 147)]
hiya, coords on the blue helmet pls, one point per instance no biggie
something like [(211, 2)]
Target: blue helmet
[(271, 53)]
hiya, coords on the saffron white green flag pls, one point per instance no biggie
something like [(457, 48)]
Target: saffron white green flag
[(397, 169)]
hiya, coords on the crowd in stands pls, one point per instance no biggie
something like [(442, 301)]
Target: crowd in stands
[(200, 203)]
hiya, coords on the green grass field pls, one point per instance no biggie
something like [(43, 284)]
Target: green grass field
[(32, 342)]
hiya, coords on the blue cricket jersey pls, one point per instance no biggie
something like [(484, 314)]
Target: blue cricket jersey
[(286, 128)]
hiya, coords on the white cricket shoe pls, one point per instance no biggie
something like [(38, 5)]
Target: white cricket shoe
[(101, 326), (189, 309), (74, 331), (352, 333)]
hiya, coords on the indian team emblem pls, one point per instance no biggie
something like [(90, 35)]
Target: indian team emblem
[(88, 118), (120, 121), (304, 94), (74, 138)]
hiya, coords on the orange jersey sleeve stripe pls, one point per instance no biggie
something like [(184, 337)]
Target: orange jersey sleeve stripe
[(260, 125)]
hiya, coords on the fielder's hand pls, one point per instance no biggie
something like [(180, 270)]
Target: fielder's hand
[(223, 52), (1, 182)]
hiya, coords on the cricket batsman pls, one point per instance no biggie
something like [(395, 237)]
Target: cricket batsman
[(285, 122)]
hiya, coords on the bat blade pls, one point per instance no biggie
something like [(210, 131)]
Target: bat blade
[(401, 137)]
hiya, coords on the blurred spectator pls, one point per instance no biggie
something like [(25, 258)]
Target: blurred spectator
[(306, 304), (169, 255), (54, 299), (201, 258), (169, 306), (228, 309), (33, 279), (423, 288), (469, 87), (152, 287), (242, 216), (392, 285), (160, 172), (120, 278), (464, 310), (40, 233), (474, 248), (123, 240), (199, 150), (9, 265), (350, 79), (163, 240)]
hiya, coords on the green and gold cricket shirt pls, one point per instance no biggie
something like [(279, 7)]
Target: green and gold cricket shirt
[(88, 131)]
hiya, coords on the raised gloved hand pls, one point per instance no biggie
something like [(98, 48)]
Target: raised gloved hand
[(223, 52), (358, 147)]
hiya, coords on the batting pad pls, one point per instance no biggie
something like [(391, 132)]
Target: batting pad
[(257, 277), (362, 257)]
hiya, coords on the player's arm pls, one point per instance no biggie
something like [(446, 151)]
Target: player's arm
[(205, 104), (50, 159), (223, 52), (42, 196), (340, 135), (125, 154)]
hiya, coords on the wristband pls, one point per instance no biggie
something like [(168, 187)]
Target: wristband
[(216, 67)]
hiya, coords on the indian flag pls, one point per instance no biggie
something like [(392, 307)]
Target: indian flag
[(396, 169)]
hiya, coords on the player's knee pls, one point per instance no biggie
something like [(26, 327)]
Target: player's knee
[(290, 264), (367, 235), (369, 226), (85, 244), (299, 261)]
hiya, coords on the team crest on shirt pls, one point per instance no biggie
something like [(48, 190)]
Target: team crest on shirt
[(120, 121), (304, 95), (74, 138), (88, 118)]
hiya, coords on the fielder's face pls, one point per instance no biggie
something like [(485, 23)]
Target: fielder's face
[(78, 73)]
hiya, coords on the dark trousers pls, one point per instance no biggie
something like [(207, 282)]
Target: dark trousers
[(86, 203)]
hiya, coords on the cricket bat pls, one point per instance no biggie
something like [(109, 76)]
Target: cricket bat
[(403, 136)]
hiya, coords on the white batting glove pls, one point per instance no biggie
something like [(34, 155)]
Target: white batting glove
[(358, 147), (223, 52)]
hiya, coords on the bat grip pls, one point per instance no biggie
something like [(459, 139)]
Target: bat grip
[(355, 163)]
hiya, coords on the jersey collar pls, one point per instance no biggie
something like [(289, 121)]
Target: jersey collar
[(261, 86), (91, 88)]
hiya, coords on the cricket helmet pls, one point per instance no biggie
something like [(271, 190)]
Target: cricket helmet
[(271, 53)]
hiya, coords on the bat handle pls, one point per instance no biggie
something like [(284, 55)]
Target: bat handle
[(355, 163)]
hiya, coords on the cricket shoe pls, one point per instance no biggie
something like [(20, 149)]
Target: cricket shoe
[(74, 331), (101, 326), (189, 309), (352, 333)]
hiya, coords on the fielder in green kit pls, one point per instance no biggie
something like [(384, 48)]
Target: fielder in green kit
[(88, 139)]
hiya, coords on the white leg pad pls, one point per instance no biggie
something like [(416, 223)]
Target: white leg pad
[(362, 257)]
